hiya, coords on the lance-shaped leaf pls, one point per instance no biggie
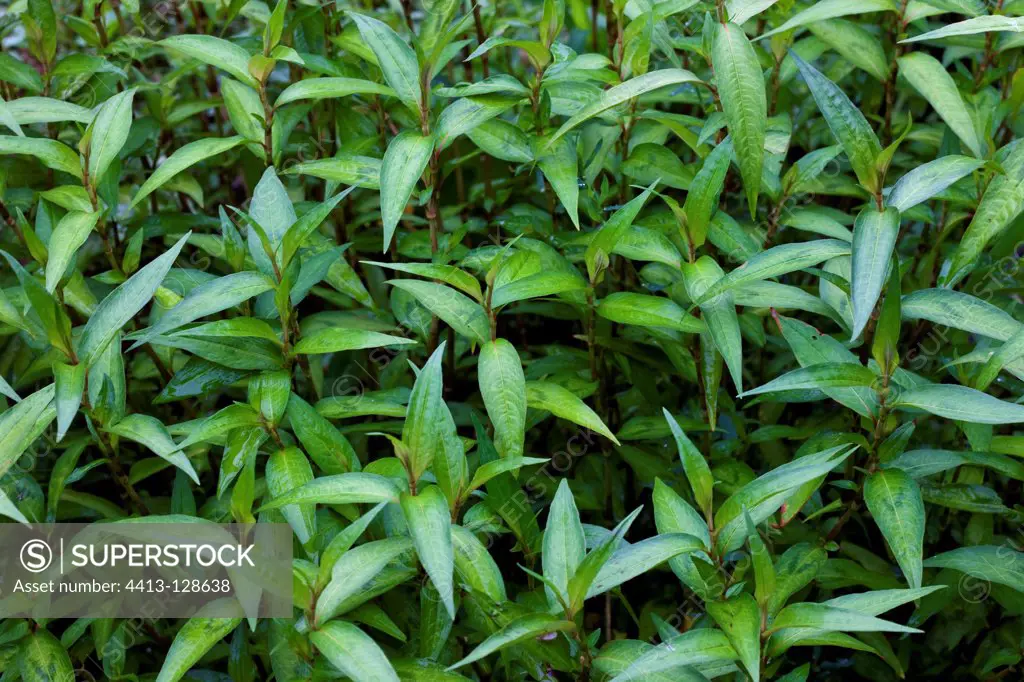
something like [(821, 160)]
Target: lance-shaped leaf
[(960, 402), (149, 431), (832, 618), (1000, 564), (521, 629), (561, 402), (704, 192), (353, 652), (698, 473), (846, 122), (972, 26), (718, 313), (71, 232), (647, 311), (352, 488), (430, 525), (894, 500), (603, 244), (422, 418), (183, 158), (449, 274), (1002, 202), (404, 161), (69, 381), (196, 637), (763, 496), (338, 339), (121, 305), (830, 9), (960, 311), (22, 423), (109, 132), (930, 79), (356, 567), (924, 182), (206, 299), (741, 89), (348, 169), (825, 375), (466, 114), (564, 545), (740, 620), (633, 560), (216, 52), (503, 388), (874, 238), (459, 312), (559, 164), (396, 59), (330, 88), (51, 153), (623, 93), (778, 260), (288, 469)]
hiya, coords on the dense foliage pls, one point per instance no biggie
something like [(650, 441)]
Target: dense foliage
[(618, 340)]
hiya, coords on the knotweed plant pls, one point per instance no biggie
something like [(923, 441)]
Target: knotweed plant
[(623, 340)]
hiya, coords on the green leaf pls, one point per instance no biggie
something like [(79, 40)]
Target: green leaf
[(70, 382), (449, 274), (502, 140), (353, 652), (42, 658), (960, 311), (825, 375), (404, 162), (633, 560), (894, 500), (22, 423), (288, 469), (355, 567), (50, 153), (960, 402), (564, 545), (121, 305), (832, 618), (560, 165), (183, 158), (696, 467), (521, 629), (874, 238), (741, 89), (330, 88), (740, 620), (348, 488), (430, 525), (196, 637), (348, 169), (69, 234), (718, 313), (830, 9), (458, 311), (624, 92), (422, 419), (845, 120), (647, 311), (603, 244), (394, 56), (339, 339), (503, 389), (208, 298), (702, 197), (929, 77), (970, 27), (924, 182), (214, 51), (778, 260), (151, 432), (998, 564), (109, 132), (559, 401), (466, 114)]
